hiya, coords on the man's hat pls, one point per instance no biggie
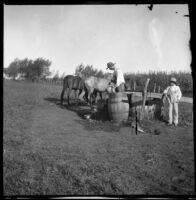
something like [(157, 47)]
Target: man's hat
[(110, 65), (173, 80)]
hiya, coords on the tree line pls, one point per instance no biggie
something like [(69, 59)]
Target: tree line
[(40, 69), (160, 79), (28, 69), (89, 70)]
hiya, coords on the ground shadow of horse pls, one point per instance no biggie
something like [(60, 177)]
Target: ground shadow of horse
[(53, 100), (82, 110)]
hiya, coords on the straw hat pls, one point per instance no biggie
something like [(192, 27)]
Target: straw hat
[(110, 65), (173, 80)]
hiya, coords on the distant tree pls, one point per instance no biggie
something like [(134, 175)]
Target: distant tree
[(30, 69), (13, 69), (26, 68), (88, 70), (62, 76), (79, 70), (40, 68), (5, 70), (100, 74), (56, 77)]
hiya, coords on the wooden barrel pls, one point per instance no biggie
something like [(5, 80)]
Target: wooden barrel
[(118, 107)]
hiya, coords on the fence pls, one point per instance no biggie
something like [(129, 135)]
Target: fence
[(42, 81), (51, 81), (60, 82), (159, 81), (130, 86), (133, 87)]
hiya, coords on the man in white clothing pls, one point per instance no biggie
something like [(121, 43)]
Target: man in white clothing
[(173, 95), (118, 77)]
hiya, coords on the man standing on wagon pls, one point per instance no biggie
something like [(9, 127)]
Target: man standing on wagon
[(118, 77)]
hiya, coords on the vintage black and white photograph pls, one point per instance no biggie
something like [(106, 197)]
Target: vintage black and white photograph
[(97, 100)]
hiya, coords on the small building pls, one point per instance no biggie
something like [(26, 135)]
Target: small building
[(5, 76), (20, 77)]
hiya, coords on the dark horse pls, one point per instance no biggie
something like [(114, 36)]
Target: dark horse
[(70, 83)]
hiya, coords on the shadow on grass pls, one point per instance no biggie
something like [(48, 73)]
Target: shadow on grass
[(83, 110), (98, 121), (53, 100)]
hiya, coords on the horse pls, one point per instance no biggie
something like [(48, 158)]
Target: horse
[(70, 83), (96, 85)]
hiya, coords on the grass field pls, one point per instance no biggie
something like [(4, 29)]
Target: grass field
[(52, 150)]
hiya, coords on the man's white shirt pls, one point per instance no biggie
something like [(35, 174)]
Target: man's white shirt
[(119, 77), (173, 92)]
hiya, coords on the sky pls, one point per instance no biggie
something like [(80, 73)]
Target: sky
[(133, 37)]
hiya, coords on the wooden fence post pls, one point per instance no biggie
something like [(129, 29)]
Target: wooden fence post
[(159, 89), (154, 87), (134, 85), (144, 99)]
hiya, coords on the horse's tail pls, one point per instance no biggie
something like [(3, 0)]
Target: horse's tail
[(84, 88), (65, 83)]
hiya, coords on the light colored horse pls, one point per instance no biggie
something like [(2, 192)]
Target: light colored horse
[(94, 84)]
